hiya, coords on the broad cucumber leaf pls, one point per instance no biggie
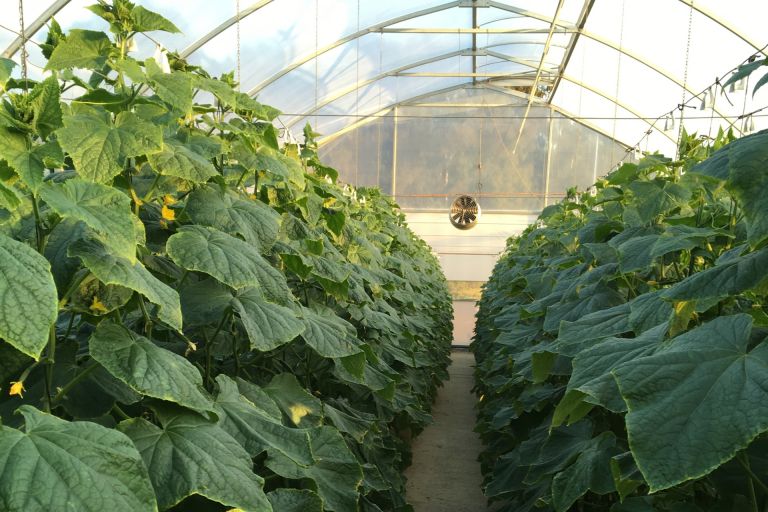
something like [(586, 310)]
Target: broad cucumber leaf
[(302, 408), (295, 500), (336, 474), (9, 197), (226, 258), (77, 465), (742, 165), (271, 161), (254, 427), (28, 299), (656, 198), (329, 335), (111, 269), (573, 336), (178, 159), (100, 148), (190, 455), (6, 68), (253, 220), (268, 325), (104, 209), (648, 310), (145, 20), (734, 276), (592, 367), (27, 159), (46, 107), (87, 49), (173, 88), (146, 368), (696, 401), (204, 302), (590, 472)]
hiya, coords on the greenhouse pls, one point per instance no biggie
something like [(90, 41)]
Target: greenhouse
[(383, 256)]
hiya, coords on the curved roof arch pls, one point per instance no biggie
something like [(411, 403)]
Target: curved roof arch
[(601, 60)]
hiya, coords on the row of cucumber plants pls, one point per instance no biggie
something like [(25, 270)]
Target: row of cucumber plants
[(621, 342), (193, 317)]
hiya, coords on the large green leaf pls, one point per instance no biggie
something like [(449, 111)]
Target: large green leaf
[(6, 68), (253, 220), (303, 409), (104, 209), (268, 325), (729, 278), (81, 49), (254, 426), (46, 107), (146, 368), (592, 367), (190, 455), (696, 401), (329, 335), (100, 148), (656, 198), (111, 269), (145, 20), (28, 299), (226, 258), (173, 88), (742, 165), (180, 160), (336, 474), (58, 465), (590, 472), (295, 500), (27, 159)]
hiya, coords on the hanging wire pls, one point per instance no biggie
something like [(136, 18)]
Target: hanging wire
[(23, 44), (317, 44), (237, 28), (685, 83), (618, 74), (357, 97)]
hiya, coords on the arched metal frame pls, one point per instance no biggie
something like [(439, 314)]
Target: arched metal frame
[(576, 30)]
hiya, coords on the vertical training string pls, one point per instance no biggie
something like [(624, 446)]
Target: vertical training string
[(23, 44), (237, 28), (618, 77), (685, 83)]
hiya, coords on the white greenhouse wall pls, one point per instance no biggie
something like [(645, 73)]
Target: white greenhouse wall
[(467, 255)]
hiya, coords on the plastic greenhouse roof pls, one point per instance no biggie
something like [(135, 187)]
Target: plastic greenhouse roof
[(618, 66)]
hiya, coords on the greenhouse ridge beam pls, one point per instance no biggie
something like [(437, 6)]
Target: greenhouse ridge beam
[(397, 71), (351, 37), (585, 12)]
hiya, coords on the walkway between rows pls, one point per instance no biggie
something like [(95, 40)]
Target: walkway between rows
[(445, 475)]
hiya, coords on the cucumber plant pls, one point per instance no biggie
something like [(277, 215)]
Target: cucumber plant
[(192, 316)]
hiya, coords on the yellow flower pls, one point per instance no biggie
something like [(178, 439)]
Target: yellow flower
[(169, 199), (17, 388), (167, 213), (97, 306), (298, 411)]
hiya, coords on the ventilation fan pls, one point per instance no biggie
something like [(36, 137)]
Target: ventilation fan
[(465, 212)]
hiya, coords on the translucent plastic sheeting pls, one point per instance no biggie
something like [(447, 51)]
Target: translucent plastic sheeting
[(426, 153), (333, 62)]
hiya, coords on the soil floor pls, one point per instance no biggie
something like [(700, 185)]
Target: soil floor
[(445, 475)]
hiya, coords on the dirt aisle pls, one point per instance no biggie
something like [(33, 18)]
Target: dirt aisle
[(445, 475)]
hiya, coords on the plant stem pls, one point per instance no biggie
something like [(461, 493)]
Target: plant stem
[(38, 224), (72, 383), (69, 325), (117, 410), (50, 361), (744, 461), (147, 319)]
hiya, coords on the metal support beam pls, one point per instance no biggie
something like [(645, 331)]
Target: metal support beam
[(398, 72), (31, 29), (192, 48), (585, 12), (474, 41), (346, 39), (535, 84)]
